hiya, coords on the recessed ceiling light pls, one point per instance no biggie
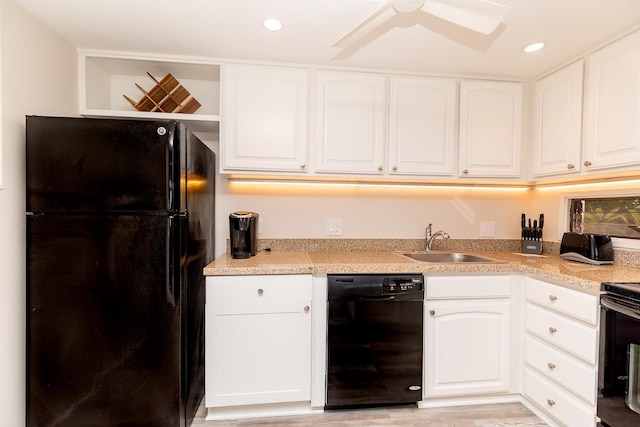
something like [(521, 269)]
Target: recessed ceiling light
[(533, 47), (272, 24)]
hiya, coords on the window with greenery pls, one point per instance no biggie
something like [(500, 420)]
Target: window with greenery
[(617, 217)]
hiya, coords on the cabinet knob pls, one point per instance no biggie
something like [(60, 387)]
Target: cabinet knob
[(466, 171), (306, 308), (570, 166), (380, 168), (551, 366), (432, 312), (395, 168), (260, 291), (303, 166), (553, 298), (552, 330), (550, 402), (587, 163)]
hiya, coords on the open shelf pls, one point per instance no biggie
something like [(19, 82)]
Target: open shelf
[(106, 77)]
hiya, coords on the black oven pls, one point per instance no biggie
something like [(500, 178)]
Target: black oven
[(619, 365)]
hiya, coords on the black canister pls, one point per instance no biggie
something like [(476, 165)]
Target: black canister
[(243, 234)]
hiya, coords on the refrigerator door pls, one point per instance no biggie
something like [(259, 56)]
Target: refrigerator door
[(101, 165), (198, 200), (103, 321)]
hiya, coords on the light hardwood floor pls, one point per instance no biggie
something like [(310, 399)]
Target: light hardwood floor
[(501, 415)]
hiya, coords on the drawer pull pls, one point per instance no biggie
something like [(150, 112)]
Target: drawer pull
[(587, 163), (550, 402), (260, 291), (551, 366), (553, 298), (306, 308), (552, 330), (432, 312), (570, 166)]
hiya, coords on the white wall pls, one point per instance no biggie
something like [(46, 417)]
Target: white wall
[(38, 77), (366, 212)]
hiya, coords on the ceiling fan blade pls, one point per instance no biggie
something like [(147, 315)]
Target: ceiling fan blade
[(482, 16), (373, 21)]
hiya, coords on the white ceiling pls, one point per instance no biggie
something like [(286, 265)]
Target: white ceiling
[(418, 43)]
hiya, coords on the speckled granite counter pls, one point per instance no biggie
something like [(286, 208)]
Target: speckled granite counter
[(550, 267)]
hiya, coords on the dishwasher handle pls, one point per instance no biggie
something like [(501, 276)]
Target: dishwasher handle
[(377, 298)]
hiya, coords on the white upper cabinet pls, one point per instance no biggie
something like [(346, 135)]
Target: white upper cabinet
[(422, 126), (558, 122), (350, 122), (490, 129), (265, 119), (612, 103), (105, 78)]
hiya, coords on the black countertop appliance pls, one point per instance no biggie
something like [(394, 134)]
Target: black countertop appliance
[(243, 234), (589, 248), (119, 226)]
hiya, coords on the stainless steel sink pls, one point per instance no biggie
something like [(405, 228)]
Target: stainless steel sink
[(449, 257)]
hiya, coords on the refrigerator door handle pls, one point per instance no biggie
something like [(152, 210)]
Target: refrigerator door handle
[(171, 262)]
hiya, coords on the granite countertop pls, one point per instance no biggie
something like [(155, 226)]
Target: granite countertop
[(547, 267)]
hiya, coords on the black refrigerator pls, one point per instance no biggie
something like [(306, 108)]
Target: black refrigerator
[(119, 225)]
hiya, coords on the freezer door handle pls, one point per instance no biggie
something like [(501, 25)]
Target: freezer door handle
[(171, 262)]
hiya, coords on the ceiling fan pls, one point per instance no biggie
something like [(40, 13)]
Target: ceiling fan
[(482, 16)]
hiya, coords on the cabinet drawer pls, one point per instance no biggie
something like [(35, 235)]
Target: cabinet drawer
[(558, 403), (234, 290), (571, 373), (577, 304), (577, 338), (469, 287)]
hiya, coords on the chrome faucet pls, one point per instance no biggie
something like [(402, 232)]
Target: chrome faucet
[(433, 236)]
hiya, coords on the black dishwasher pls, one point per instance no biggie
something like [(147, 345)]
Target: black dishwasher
[(375, 339)]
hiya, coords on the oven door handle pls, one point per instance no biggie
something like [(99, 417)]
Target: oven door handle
[(612, 305)]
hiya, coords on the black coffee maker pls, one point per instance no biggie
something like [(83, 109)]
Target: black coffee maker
[(243, 229)]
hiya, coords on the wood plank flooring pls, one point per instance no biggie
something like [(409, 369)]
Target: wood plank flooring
[(500, 415)]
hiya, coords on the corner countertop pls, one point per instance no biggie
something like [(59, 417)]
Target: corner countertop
[(550, 267)]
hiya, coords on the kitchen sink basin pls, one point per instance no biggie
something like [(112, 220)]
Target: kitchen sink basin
[(449, 257)]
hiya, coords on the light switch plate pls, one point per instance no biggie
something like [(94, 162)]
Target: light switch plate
[(487, 229)]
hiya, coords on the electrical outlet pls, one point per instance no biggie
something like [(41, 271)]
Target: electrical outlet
[(487, 229), (334, 227)]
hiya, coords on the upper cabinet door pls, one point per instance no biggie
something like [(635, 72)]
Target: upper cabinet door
[(350, 122), (612, 116), (490, 129), (422, 126), (265, 119), (558, 122)]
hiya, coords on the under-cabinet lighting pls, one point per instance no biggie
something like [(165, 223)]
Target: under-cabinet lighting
[(593, 184), (272, 24), (377, 184)]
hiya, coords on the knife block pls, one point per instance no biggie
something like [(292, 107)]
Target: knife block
[(531, 246)]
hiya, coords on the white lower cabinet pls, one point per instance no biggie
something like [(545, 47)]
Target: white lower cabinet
[(556, 401), (561, 348), (467, 335), (258, 340)]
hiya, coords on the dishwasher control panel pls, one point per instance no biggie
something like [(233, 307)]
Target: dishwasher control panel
[(396, 285), (375, 286)]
